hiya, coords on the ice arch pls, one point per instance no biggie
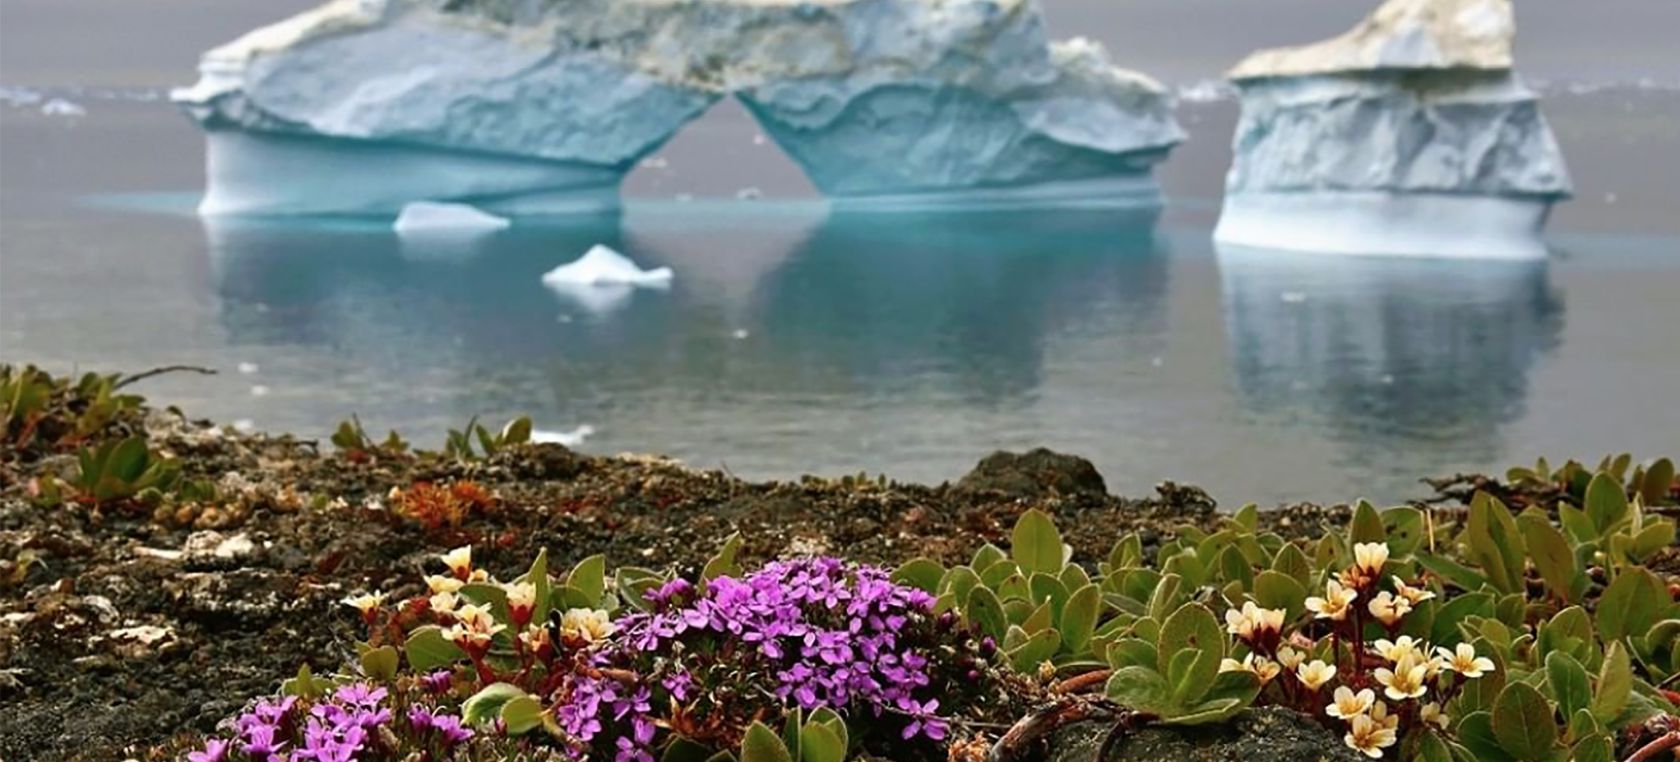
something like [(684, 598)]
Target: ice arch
[(523, 106)]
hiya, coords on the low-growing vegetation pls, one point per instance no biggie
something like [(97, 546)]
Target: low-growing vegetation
[(1533, 619)]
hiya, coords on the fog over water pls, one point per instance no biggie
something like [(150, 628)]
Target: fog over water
[(795, 340)]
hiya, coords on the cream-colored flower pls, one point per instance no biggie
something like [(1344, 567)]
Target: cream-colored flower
[(535, 636), (1464, 661), (1397, 649), (1229, 664), (587, 625), (444, 603), (1379, 714), (1259, 666), (1431, 714), (1252, 621), (437, 583), (1406, 680), (459, 561), (1315, 674), (1335, 603), (474, 627), (367, 603), (1290, 658), (1369, 557), (1367, 737), (1413, 595), (521, 600), (1389, 609), (478, 575), (1345, 704)]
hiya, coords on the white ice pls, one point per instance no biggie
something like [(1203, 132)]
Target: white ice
[(62, 107), (430, 217), (601, 266), (571, 438)]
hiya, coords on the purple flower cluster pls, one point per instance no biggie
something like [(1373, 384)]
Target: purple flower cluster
[(822, 632), (343, 728)]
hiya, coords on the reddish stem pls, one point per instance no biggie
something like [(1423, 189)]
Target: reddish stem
[(1652, 749)]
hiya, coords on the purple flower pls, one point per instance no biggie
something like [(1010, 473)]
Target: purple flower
[(438, 682), (450, 730), (215, 750), (260, 741), (360, 694)]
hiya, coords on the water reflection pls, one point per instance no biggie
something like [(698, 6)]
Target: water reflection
[(779, 301), (1388, 356)]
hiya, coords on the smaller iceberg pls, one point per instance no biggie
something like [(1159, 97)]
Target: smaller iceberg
[(1410, 135), (430, 217), (571, 438), (601, 266)]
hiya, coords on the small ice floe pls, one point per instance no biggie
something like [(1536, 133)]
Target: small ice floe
[(259, 391), (248, 368), (749, 194), (656, 162), (571, 438), (1292, 297), (244, 425), (62, 107), (601, 266), (1207, 91), (1157, 362), (431, 217), (19, 96), (758, 139), (741, 333)]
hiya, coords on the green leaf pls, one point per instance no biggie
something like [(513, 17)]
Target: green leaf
[(987, 555), (1462, 576), (1659, 479), (1132, 652), (537, 575), (761, 744), (1276, 590), (1291, 561), (1432, 748), (427, 649), (1036, 544), (1367, 525), (486, 704), (1038, 647), (590, 578), (1207, 712), (1595, 748), (1192, 628), (723, 564), (1576, 522), (1139, 688), (1047, 589), (1523, 722), (1233, 567), (1449, 615), (306, 685), (1164, 596), (1551, 553), (1615, 684), (521, 714), (684, 750), (517, 431), (1406, 530), (1567, 680), (1475, 731), (1495, 544), (986, 611), (1633, 602), (921, 573), (959, 581), (1079, 618), (1606, 503), (379, 663), (820, 743)]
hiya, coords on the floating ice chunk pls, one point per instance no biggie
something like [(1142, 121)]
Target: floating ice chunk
[(244, 425), (1207, 91), (741, 333), (259, 391), (1292, 297), (62, 107), (433, 217), (601, 266), (656, 162), (19, 96), (248, 368), (749, 194), (571, 438)]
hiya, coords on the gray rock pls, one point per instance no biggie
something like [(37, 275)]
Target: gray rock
[(1269, 734)]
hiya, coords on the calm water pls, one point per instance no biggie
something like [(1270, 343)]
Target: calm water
[(799, 341)]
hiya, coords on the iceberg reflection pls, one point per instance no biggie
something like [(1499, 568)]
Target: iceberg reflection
[(1417, 357)]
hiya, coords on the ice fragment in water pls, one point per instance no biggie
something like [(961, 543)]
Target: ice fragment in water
[(602, 266), (571, 438), (62, 107), (433, 217)]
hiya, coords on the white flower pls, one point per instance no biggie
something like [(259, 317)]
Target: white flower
[(1367, 737), (587, 625), (1315, 674), (459, 561), (1345, 704), (437, 583), (1369, 557), (1260, 667), (1253, 621), (521, 599), (1389, 609), (443, 603), (1379, 714), (1406, 680), (1464, 661), (1413, 595), (1290, 658), (1431, 714), (1396, 650), (474, 627), (1334, 605), (367, 603)]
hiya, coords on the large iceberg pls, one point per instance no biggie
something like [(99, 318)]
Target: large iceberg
[(1410, 134), (536, 106)]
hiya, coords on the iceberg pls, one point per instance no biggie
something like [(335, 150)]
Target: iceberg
[(601, 266), (432, 218), (571, 438), (1411, 134), (362, 106)]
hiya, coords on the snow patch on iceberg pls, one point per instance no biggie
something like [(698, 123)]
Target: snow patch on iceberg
[(430, 217)]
